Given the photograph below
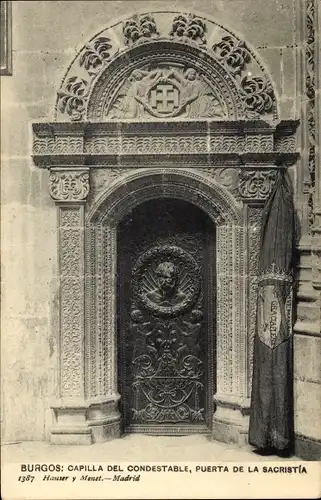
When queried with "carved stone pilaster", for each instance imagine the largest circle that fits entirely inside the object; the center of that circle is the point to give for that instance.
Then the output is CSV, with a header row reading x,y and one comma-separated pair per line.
x,y
69,189
229,422
254,214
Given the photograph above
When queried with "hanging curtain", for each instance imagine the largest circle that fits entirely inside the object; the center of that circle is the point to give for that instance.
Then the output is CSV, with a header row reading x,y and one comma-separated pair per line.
x,y
271,416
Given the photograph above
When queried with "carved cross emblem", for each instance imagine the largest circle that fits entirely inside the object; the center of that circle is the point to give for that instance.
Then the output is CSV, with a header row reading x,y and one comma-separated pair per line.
x,y
164,98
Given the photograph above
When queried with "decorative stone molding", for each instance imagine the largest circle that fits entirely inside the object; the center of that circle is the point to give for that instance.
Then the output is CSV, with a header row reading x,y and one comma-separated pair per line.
x,y
311,104
71,303
121,198
224,209
200,142
71,185
227,177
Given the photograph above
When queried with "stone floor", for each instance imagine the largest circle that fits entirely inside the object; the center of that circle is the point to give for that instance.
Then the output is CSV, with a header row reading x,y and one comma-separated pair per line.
x,y
135,447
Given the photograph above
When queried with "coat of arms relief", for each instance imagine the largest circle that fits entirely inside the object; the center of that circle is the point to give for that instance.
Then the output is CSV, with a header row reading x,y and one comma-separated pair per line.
x,y
166,92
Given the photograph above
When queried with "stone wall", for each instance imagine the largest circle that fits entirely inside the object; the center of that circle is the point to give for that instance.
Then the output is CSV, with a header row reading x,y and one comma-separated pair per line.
x,y
46,37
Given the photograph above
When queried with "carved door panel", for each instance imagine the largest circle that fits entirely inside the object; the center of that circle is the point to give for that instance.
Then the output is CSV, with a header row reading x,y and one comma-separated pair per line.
x,y
166,299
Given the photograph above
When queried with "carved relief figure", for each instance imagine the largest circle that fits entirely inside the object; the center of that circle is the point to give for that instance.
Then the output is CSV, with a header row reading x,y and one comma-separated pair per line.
x,y
130,102
165,93
190,330
142,331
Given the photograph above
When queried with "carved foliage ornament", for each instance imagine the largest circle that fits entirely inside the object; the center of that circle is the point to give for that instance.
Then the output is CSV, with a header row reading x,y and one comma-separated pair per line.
x,y
72,98
188,27
165,93
256,184
258,95
95,54
233,53
139,29
69,186
257,92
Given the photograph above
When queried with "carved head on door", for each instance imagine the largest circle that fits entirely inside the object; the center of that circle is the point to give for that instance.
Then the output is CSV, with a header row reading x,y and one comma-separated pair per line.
x,y
167,278
166,281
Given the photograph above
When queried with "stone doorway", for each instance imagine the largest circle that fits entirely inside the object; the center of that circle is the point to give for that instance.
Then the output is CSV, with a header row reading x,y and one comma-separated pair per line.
x,y
212,137
166,318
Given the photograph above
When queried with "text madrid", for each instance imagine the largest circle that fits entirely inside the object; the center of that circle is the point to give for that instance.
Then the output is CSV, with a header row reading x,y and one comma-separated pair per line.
x,y
301,469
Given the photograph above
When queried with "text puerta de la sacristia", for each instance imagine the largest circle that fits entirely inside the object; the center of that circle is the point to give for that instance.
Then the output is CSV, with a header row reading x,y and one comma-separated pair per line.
x,y
134,472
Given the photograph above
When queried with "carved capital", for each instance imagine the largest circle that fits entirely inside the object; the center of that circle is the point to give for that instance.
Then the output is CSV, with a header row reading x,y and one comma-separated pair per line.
x,y
69,185
256,184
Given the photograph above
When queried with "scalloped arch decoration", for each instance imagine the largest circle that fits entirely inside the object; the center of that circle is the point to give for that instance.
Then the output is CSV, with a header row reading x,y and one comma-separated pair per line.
x,y
166,65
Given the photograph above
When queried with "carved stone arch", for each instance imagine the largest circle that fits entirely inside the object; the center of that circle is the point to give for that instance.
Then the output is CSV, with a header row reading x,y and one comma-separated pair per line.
x,y
101,292
172,39
139,187
165,54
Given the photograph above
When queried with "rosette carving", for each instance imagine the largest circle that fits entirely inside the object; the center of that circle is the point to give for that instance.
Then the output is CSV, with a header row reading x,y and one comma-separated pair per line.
x,y
139,29
68,186
189,27
233,53
72,98
258,95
